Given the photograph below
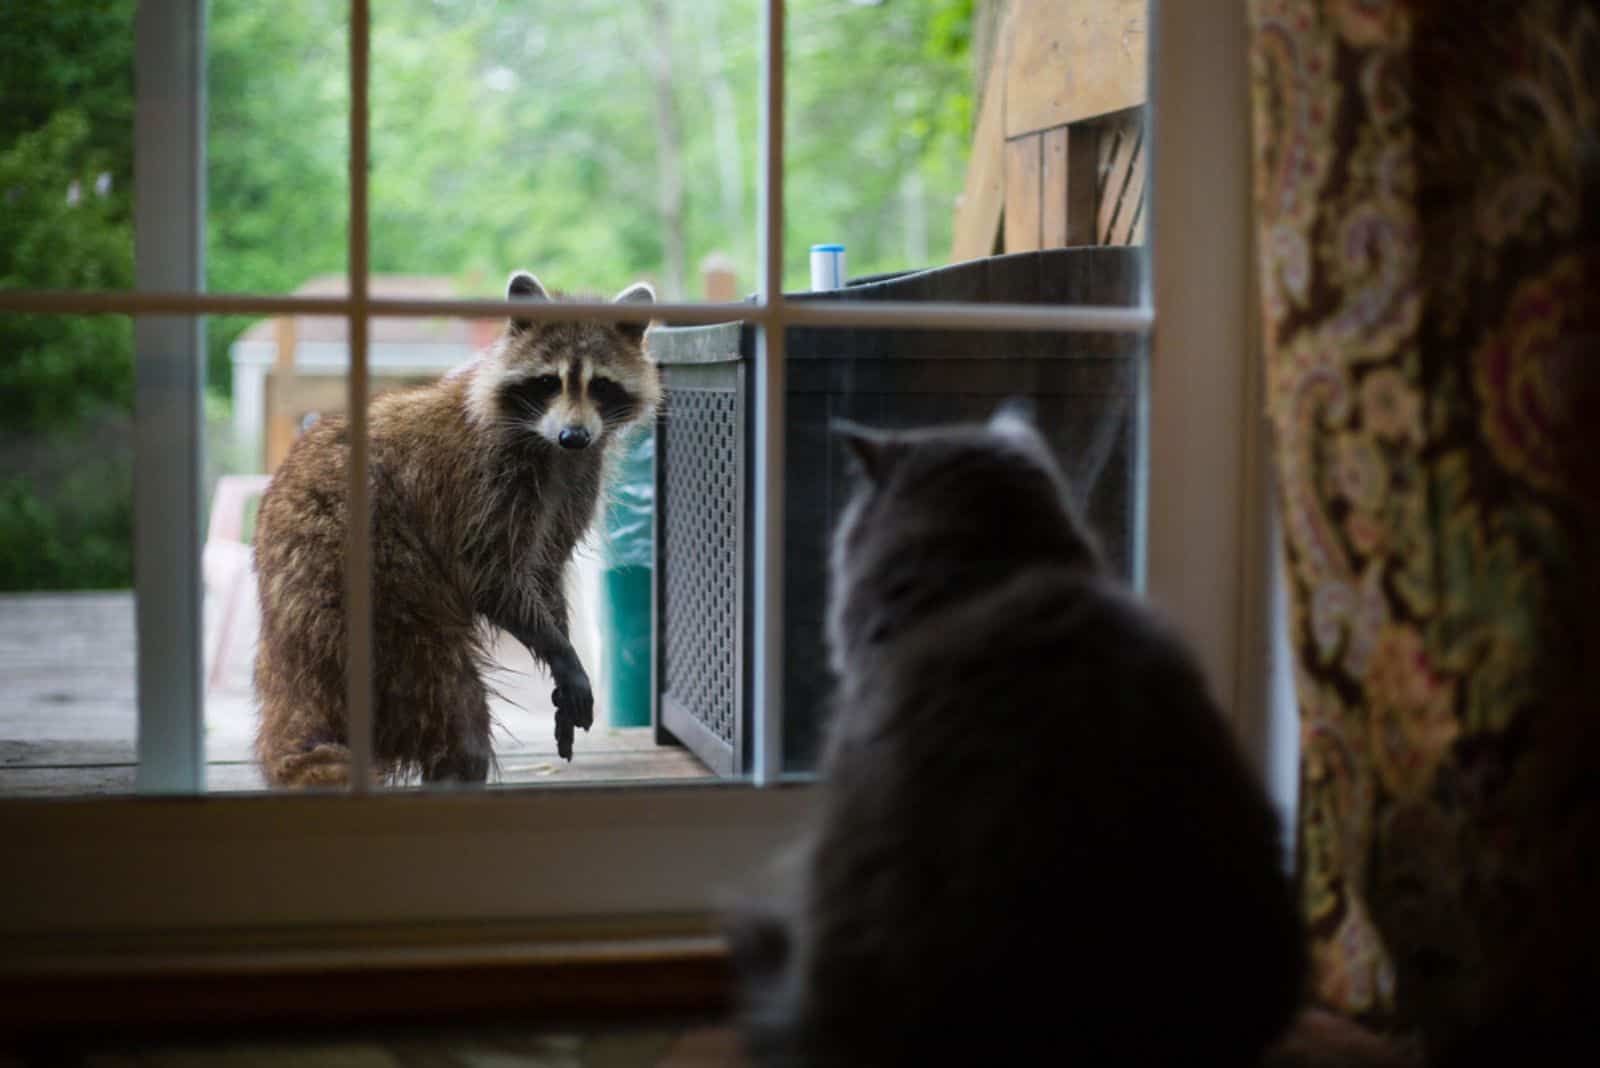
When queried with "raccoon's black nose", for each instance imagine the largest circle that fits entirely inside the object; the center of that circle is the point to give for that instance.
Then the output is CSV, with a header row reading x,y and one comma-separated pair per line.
x,y
573,437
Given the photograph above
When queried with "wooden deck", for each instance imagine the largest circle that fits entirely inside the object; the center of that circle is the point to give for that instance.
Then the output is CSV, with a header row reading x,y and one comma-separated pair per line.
x,y
69,719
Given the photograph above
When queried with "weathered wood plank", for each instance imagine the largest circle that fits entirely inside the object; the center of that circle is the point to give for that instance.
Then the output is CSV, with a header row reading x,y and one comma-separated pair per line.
x,y
1023,194
1055,188
1132,201
113,779
1072,61
68,715
630,766
657,764
1115,185
978,212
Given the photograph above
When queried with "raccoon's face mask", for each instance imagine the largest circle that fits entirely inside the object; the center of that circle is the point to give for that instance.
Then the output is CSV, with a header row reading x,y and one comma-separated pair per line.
x,y
574,382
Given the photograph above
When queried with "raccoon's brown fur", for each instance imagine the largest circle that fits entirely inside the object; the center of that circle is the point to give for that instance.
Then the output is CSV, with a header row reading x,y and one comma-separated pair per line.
x,y
481,486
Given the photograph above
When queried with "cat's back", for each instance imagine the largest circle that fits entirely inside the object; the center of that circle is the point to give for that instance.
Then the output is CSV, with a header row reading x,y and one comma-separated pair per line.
x,y
1037,778
1054,654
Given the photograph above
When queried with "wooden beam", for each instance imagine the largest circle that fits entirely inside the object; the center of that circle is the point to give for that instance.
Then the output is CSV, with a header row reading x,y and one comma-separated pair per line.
x,y
983,197
1055,188
1024,196
719,282
1072,61
280,417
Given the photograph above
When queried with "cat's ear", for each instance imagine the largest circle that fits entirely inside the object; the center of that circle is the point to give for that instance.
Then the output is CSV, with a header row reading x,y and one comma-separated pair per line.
x,y
1014,417
872,450
524,286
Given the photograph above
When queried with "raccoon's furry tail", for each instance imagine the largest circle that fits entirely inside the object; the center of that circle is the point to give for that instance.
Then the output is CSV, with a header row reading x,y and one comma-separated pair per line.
x,y
325,764
1322,1039
319,764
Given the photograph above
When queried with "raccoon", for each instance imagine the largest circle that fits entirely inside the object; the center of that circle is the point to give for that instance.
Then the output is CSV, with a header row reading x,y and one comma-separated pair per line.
x,y
1034,829
481,485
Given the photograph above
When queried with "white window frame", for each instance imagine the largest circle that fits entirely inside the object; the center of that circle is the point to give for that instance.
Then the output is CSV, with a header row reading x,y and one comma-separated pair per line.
x,y
91,881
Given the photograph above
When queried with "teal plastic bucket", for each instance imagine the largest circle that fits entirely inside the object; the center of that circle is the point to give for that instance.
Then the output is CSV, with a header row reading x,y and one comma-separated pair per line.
x,y
626,620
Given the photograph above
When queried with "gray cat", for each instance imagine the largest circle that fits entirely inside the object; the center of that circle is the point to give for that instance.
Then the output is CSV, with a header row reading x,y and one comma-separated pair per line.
x,y
1035,832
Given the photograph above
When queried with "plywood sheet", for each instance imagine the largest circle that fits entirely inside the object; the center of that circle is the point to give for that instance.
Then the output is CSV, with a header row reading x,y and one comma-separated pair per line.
x,y
1072,60
1055,187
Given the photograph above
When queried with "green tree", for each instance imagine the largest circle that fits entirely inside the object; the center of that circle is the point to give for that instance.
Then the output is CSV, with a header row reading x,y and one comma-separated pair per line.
x,y
66,383
277,185
593,141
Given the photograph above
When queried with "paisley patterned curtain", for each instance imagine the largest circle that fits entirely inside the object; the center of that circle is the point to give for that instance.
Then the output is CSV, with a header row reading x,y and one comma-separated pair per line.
x,y
1428,269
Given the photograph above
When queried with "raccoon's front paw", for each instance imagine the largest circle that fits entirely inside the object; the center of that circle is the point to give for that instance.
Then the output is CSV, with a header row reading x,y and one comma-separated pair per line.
x,y
574,699
574,702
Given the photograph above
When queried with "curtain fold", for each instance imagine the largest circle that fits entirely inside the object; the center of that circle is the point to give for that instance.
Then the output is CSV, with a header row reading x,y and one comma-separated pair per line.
x,y
1427,272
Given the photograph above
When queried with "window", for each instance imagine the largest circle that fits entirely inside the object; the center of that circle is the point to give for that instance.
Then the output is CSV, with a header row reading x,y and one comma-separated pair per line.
x,y
643,860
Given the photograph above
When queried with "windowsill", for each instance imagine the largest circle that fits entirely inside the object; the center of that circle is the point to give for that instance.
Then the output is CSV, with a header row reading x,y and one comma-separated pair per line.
x,y
474,980
154,890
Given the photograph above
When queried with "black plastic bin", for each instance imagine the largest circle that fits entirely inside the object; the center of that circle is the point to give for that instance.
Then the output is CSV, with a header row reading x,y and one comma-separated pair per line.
x,y
1084,388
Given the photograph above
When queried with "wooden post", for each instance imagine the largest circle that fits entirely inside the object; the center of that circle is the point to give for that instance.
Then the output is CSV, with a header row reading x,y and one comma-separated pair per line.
x,y
1055,188
281,427
718,279
978,211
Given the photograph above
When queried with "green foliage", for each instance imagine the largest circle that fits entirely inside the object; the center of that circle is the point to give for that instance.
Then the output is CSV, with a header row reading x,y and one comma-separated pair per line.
x,y
66,384
66,506
55,54
277,78
504,133
879,108
59,232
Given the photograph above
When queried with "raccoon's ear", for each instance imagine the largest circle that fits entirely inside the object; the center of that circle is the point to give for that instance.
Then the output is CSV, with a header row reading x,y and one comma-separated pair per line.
x,y
1014,417
873,451
524,286
638,293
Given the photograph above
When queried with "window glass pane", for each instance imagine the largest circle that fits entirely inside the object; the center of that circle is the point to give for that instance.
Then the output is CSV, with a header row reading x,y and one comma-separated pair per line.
x,y
485,525
277,167
966,155
878,115
515,483
66,146
277,142
285,373
924,134
594,142
1084,391
68,718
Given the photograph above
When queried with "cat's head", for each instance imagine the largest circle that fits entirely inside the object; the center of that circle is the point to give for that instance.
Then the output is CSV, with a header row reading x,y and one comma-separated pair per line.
x,y
942,513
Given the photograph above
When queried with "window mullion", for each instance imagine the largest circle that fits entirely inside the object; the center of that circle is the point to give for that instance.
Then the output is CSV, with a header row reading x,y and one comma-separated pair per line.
x,y
358,530
1205,560
169,380
767,641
